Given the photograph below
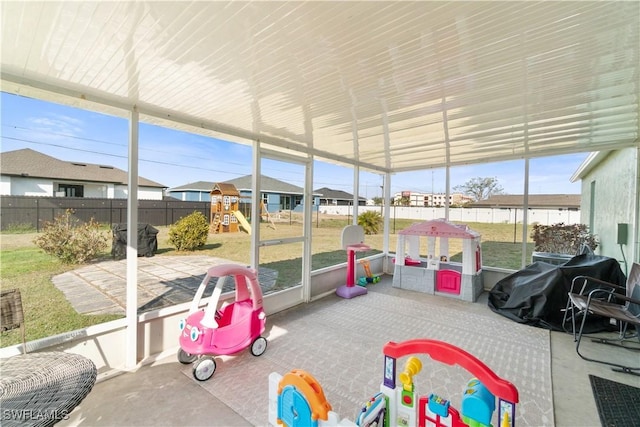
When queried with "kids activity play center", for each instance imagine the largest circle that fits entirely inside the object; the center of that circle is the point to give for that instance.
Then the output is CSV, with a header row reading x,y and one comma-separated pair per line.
x,y
297,398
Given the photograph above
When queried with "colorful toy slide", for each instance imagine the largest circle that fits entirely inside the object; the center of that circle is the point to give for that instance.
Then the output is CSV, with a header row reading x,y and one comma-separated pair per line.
x,y
243,221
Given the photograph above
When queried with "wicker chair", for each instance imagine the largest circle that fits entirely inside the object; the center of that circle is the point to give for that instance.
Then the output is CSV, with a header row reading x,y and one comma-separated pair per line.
x,y
40,389
11,314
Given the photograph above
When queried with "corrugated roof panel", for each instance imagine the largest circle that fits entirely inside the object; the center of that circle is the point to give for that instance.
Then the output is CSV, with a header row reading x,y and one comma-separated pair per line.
x,y
513,78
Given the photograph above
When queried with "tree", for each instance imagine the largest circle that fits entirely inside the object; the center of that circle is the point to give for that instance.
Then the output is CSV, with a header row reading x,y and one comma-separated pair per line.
x,y
378,201
403,201
480,188
370,221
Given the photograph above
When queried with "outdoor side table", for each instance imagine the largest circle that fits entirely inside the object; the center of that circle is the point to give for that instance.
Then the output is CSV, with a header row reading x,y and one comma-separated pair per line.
x,y
40,389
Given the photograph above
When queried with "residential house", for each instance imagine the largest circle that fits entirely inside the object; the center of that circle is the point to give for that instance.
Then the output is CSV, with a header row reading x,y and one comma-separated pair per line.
x,y
329,197
199,191
609,206
276,195
541,208
27,172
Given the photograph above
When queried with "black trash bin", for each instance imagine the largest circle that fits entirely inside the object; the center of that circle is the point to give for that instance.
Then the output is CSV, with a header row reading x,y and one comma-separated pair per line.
x,y
147,240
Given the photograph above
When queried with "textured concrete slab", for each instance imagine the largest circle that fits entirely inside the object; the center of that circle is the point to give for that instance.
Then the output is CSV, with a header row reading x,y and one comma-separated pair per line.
x,y
339,341
162,281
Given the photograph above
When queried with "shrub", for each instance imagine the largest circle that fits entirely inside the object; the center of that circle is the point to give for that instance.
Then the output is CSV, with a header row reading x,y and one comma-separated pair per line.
x,y
190,232
562,239
70,240
370,221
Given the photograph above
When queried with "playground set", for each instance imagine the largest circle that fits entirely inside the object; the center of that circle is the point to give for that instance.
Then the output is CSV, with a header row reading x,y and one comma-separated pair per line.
x,y
225,213
436,274
226,330
225,200
297,399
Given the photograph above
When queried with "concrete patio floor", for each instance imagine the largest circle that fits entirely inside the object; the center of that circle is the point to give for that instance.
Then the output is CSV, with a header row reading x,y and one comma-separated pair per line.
x,y
161,394
163,281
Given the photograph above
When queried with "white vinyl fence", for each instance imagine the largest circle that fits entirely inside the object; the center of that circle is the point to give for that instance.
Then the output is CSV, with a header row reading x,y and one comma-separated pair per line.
x,y
488,215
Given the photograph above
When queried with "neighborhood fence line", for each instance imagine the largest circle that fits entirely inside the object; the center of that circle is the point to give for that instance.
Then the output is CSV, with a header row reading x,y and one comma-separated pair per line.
x,y
35,211
485,215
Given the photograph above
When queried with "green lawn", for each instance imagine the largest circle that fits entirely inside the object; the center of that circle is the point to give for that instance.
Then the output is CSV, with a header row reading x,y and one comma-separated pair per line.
x,y
47,312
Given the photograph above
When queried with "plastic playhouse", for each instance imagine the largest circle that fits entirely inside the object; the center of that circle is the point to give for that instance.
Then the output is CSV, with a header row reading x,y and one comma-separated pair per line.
x,y
229,329
297,398
436,274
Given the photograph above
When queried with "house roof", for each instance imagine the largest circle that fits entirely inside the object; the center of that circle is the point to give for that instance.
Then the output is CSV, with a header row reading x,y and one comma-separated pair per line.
x,y
589,164
267,184
545,201
193,186
328,193
33,164
389,86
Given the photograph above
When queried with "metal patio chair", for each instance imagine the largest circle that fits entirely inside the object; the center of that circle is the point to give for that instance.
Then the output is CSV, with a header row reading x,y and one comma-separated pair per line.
x,y
607,301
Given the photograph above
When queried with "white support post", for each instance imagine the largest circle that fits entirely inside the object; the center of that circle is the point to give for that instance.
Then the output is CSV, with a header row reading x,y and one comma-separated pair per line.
x,y
525,211
308,219
131,358
256,198
356,193
386,191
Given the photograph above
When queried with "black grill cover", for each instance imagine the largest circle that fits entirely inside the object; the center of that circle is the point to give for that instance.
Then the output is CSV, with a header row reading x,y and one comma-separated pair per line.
x,y
537,295
147,240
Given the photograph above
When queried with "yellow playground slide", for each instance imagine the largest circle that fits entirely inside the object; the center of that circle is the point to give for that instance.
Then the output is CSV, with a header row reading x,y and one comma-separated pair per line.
x,y
243,221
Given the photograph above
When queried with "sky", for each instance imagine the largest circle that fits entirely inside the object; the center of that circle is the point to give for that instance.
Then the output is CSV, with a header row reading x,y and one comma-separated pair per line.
x,y
173,158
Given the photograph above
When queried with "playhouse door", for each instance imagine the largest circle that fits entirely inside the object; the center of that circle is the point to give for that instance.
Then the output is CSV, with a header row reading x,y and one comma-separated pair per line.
x,y
448,281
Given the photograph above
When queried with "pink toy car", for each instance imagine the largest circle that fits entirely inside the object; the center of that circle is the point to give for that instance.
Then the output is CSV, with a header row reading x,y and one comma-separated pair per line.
x,y
210,331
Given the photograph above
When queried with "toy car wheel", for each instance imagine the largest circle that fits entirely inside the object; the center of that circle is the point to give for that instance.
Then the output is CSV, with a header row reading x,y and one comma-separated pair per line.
x,y
258,346
204,368
186,358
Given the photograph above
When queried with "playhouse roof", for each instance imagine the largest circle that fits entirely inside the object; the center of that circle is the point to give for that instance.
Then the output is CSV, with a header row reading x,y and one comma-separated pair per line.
x,y
440,228
225,189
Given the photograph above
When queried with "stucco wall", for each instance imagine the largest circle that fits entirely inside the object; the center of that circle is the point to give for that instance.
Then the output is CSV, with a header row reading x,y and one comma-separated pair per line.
x,y
18,186
95,190
614,181
144,193
28,187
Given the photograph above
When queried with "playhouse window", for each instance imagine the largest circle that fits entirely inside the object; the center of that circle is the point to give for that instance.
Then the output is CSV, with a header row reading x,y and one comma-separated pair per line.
x,y
225,219
226,201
